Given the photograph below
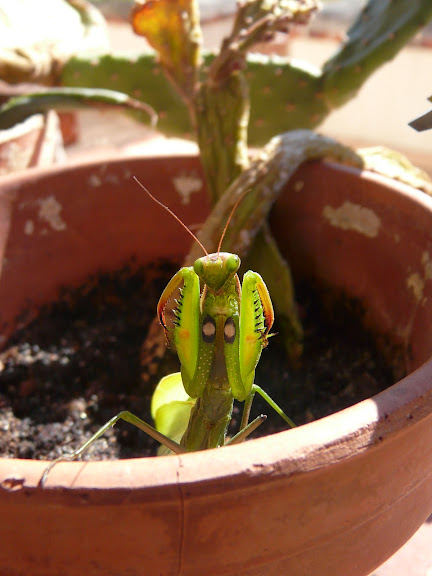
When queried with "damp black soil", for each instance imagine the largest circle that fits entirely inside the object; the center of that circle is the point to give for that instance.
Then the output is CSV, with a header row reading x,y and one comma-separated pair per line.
x,y
78,364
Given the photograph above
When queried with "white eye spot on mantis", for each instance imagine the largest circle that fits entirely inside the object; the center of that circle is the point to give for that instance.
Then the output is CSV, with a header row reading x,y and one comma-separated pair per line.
x,y
354,217
229,331
208,330
187,185
49,210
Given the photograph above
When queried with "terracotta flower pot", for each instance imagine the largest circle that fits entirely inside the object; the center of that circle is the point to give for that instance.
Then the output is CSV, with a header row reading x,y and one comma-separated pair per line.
x,y
335,497
35,142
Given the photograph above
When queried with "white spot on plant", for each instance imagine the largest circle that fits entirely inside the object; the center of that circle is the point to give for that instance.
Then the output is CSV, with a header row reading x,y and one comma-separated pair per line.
x,y
49,211
186,185
350,216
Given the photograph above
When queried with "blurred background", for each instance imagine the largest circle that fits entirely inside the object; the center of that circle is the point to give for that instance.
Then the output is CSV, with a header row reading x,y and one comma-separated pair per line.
x,y
379,114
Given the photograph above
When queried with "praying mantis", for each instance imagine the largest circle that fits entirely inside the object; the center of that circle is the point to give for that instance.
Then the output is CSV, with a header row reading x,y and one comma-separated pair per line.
x,y
219,330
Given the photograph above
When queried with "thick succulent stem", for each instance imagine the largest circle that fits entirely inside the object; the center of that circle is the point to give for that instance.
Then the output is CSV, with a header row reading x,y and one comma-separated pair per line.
x,y
248,234
261,184
266,257
222,113
141,77
222,102
377,35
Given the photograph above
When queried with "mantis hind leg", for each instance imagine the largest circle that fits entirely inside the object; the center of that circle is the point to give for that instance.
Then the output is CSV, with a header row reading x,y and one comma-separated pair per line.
x,y
127,417
245,428
271,403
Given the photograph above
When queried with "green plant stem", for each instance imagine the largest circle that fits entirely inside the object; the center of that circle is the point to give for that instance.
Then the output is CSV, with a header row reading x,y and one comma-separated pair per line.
x,y
222,113
18,108
261,184
266,257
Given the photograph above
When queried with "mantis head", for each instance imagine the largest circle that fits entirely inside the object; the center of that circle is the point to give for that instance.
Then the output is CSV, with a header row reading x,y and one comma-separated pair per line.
x,y
215,270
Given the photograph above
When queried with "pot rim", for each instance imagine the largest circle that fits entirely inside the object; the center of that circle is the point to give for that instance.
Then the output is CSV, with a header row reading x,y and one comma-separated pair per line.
x,y
301,450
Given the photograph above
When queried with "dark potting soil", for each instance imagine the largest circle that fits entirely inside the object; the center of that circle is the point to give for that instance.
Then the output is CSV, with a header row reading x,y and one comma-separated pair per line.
x,y
78,364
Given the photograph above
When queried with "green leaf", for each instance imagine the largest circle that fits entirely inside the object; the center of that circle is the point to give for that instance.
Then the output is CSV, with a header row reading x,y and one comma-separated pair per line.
x,y
171,407
169,389
172,419
19,108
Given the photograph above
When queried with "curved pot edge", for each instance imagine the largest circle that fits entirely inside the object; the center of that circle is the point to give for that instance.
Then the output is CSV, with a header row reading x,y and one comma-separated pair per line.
x,y
299,450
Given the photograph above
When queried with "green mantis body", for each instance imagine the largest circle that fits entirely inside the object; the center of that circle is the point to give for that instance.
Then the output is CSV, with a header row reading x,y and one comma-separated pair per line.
x,y
219,330
219,334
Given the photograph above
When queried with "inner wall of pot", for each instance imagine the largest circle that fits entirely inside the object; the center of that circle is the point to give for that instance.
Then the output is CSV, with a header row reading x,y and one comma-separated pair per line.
x,y
370,238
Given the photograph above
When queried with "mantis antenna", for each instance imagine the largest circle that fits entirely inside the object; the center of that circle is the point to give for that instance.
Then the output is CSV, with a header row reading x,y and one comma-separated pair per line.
x,y
172,214
234,208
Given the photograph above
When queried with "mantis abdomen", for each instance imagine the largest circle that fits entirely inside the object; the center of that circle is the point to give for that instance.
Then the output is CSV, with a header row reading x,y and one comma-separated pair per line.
x,y
209,420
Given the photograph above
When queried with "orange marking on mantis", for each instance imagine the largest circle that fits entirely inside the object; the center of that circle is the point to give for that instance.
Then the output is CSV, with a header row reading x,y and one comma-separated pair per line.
x,y
183,333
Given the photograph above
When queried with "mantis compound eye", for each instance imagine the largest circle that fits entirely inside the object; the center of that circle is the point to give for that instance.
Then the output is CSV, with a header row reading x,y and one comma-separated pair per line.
x,y
198,267
232,263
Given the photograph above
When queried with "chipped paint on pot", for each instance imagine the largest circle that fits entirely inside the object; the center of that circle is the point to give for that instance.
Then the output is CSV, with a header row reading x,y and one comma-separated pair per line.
x,y
186,185
351,216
